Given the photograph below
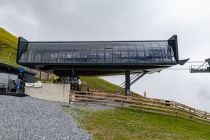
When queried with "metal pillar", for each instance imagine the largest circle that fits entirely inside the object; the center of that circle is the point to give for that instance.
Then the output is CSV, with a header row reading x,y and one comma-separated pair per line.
x,y
127,82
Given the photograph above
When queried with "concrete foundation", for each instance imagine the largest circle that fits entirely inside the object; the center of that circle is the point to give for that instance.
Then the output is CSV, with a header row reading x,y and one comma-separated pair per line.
x,y
50,92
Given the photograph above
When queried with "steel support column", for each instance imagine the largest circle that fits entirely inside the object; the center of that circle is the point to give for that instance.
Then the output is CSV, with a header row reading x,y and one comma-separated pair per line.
x,y
127,82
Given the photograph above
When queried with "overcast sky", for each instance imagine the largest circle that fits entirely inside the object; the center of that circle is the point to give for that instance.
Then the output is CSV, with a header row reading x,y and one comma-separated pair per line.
x,y
125,20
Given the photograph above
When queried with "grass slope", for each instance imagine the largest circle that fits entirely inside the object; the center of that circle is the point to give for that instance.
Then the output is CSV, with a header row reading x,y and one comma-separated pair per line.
x,y
99,84
132,124
8,47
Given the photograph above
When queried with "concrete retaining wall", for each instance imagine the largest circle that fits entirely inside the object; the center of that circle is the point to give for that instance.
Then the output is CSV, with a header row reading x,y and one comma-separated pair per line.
x,y
50,92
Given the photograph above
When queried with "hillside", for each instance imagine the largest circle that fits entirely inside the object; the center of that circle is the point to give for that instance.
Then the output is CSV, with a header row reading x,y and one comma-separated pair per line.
x,y
8,47
133,124
98,84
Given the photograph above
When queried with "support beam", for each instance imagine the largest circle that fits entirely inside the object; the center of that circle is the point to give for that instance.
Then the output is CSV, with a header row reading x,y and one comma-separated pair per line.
x,y
127,82
130,81
132,77
137,78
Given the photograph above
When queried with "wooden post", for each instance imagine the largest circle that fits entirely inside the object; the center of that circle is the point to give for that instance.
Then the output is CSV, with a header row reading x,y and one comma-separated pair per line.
x,y
145,94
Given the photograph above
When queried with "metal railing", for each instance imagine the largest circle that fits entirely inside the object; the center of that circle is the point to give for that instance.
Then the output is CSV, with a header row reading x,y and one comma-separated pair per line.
x,y
200,69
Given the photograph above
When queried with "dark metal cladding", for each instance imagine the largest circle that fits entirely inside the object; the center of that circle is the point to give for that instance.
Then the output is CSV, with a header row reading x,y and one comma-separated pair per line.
x,y
173,42
98,57
22,47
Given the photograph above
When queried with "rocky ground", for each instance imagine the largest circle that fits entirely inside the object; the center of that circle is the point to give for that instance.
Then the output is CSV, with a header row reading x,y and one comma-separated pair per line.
x,y
29,118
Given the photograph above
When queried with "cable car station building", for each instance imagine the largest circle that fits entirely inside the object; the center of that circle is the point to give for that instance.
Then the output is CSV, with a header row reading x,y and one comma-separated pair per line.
x,y
98,58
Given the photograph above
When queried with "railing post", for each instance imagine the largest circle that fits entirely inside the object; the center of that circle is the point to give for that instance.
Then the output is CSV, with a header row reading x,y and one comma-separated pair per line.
x,y
205,117
86,100
71,97
121,102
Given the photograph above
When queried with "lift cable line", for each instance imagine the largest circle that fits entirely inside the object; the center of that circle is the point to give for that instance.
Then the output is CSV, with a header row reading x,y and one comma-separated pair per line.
x,y
178,69
190,62
195,62
136,76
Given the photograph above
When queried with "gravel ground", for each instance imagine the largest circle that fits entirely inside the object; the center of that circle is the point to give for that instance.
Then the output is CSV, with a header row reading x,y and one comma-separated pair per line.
x,y
33,119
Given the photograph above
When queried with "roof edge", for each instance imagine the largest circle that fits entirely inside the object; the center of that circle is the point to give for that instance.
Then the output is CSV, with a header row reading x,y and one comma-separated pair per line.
x,y
173,41
22,45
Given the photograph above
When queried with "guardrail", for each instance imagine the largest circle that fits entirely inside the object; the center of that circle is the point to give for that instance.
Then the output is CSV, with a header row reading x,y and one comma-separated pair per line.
x,y
158,106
